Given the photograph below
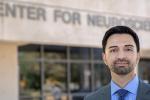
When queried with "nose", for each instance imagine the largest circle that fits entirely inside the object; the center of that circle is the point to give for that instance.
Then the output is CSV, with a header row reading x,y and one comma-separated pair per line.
x,y
121,54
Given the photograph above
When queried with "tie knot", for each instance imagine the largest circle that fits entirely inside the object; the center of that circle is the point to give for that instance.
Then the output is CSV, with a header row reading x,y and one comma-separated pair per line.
x,y
122,92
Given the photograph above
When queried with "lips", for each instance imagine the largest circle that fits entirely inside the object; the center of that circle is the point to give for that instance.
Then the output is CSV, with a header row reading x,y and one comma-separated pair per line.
x,y
121,63
125,63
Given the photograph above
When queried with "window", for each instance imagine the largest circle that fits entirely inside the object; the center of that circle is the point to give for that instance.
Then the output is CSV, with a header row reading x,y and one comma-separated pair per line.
x,y
80,77
46,71
30,75
101,75
80,53
55,79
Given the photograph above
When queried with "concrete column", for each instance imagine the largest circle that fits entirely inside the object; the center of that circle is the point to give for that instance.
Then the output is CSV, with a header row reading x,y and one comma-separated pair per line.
x,y
9,72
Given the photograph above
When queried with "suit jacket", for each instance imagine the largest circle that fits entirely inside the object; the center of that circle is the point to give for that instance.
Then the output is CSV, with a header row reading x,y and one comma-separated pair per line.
x,y
104,93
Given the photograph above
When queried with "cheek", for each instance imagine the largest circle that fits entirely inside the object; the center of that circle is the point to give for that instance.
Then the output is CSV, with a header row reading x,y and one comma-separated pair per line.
x,y
110,59
133,58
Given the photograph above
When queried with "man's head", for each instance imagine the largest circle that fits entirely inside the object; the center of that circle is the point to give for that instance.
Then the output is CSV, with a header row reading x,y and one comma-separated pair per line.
x,y
121,49
120,30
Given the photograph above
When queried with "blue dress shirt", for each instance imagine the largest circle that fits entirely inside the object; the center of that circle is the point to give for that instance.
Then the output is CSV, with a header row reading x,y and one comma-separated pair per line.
x,y
132,87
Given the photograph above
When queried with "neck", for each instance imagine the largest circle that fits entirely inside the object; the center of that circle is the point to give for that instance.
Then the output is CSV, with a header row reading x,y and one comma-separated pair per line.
x,y
122,80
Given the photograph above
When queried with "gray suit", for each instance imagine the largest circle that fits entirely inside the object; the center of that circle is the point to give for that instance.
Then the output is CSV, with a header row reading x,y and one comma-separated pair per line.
x,y
105,93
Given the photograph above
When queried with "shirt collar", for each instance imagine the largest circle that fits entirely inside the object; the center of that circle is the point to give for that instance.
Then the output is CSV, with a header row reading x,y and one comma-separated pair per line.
x,y
132,86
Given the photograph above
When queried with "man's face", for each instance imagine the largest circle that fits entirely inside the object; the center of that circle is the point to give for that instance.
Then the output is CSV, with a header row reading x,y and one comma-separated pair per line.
x,y
121,54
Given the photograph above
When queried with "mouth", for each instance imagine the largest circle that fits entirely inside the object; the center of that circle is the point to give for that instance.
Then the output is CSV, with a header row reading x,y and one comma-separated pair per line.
x,y
121,64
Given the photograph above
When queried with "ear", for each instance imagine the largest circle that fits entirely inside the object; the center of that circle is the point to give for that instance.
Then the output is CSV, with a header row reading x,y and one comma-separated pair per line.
x,y
104,58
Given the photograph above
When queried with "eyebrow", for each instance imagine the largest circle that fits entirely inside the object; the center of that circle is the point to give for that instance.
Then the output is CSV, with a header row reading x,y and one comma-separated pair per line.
x,y
129,45
112,47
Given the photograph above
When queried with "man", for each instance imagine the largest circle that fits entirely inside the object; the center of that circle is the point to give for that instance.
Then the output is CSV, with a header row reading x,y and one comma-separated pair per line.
x,y
121,53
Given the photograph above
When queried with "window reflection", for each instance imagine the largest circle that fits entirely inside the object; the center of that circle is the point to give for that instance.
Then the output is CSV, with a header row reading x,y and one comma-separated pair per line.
x,y
102,75
55,52
49,70
80,53
55,81
29,56
29,53
30,79
80,77
30,98
97,53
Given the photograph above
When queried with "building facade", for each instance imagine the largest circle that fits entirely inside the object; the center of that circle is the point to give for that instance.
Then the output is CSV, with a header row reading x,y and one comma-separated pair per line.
x,y
51,49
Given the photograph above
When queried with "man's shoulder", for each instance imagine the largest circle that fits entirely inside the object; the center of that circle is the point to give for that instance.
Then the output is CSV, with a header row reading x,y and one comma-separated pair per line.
x,y
96,95
144,85
144,91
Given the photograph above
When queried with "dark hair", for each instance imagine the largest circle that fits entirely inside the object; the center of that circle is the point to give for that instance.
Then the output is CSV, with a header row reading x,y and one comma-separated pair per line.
x,y
120,30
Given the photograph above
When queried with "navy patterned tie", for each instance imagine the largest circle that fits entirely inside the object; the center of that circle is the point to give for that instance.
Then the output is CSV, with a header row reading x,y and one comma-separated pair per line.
x,y
122,93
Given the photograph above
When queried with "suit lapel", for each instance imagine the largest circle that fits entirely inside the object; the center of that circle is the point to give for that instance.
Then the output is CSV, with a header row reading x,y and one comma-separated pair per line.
x,y
139,93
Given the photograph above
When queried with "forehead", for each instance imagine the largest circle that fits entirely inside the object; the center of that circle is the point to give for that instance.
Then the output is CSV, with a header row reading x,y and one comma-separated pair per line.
x,y
120,40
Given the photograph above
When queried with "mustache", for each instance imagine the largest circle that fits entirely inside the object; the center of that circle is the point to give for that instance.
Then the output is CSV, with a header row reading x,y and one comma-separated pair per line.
x,y
123,60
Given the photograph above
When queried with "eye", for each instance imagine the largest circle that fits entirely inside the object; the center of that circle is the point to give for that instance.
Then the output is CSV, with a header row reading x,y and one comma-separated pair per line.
x,y
113,50
129,49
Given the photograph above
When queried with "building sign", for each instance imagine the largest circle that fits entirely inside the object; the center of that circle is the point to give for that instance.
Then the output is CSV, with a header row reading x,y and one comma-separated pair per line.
x,y
95,19
100,20
21,11
56,24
